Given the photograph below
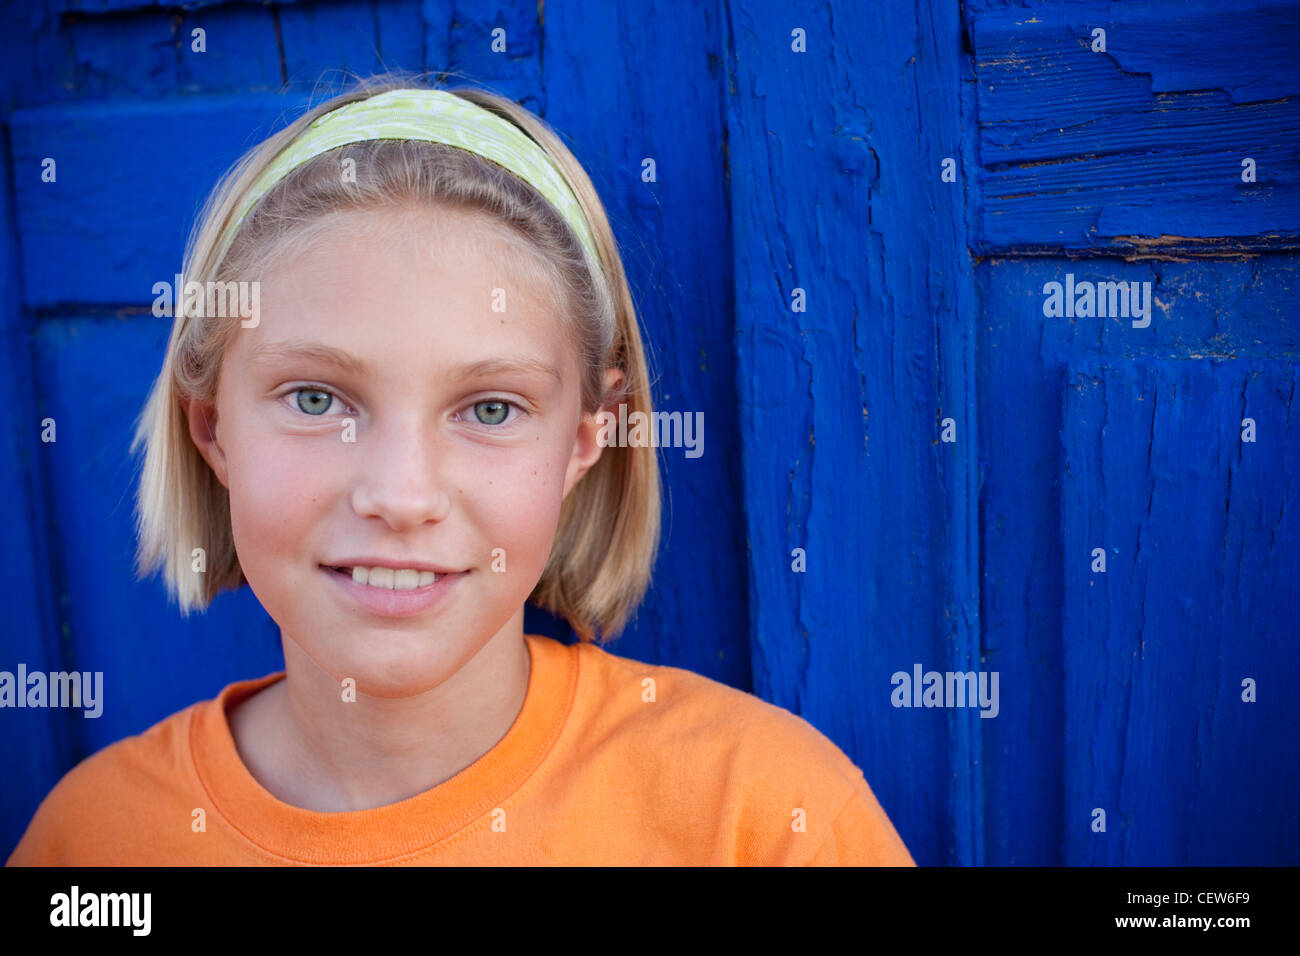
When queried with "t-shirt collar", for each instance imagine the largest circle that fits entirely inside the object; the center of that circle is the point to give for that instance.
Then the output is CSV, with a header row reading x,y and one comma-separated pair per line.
x,y
384,834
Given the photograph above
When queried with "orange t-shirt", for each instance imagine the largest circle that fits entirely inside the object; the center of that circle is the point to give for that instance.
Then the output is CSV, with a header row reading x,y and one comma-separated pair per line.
x,y
590,773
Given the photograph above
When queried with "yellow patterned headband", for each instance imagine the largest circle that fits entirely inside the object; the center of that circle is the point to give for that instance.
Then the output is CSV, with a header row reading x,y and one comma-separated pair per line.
x,y
433,116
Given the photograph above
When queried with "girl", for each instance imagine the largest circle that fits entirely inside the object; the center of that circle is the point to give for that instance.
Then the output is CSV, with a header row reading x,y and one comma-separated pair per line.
x,y
396,449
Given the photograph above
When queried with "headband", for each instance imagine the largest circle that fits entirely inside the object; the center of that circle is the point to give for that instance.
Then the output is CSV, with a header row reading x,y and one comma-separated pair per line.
x,y
433,116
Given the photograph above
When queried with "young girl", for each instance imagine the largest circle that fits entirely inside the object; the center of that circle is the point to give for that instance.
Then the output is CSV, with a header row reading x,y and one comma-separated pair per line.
x,y
396,447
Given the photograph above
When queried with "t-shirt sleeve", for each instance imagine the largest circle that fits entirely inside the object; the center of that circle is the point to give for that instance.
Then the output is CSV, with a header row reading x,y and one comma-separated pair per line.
x,y
862,835
91,810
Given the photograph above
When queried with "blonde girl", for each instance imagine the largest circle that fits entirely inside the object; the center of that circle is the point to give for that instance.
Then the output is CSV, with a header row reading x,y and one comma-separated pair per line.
x,y
396,450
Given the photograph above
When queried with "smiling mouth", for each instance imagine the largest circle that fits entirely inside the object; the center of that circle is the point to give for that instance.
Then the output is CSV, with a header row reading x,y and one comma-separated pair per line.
x,y
404,579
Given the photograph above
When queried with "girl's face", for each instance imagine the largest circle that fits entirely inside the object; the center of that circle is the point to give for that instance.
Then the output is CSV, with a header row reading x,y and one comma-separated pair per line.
x,y
383,413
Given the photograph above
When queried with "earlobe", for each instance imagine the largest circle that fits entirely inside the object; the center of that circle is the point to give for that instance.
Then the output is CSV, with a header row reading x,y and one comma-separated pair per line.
x,y
203,430
586,452
587,446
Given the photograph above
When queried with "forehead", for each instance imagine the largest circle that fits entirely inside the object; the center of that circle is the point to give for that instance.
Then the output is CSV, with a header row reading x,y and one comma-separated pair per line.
x,y
442,244
395,287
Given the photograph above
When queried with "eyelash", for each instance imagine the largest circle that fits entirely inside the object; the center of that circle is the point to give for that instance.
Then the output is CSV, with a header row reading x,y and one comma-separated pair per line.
x,y
482,401
497,400
311,388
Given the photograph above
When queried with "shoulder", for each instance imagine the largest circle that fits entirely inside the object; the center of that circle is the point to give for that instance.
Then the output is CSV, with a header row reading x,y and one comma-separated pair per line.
x,y
789,793
694,707
117,789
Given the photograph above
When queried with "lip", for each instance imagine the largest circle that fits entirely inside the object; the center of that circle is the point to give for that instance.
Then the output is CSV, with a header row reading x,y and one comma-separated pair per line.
x,y
397,565
393,603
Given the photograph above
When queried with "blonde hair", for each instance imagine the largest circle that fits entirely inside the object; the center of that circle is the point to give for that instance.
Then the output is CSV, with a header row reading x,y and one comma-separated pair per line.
x,y
604,549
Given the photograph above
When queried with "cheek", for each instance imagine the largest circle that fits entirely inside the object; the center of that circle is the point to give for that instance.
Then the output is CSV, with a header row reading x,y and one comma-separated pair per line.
x,y
275,490
517,499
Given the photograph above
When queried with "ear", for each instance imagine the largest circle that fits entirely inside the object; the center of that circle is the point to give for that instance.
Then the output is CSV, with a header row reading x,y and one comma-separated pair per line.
x,y
203,430
586,447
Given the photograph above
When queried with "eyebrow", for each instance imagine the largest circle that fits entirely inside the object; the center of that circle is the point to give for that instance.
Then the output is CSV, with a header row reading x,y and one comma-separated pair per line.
x,y
270,353
504,366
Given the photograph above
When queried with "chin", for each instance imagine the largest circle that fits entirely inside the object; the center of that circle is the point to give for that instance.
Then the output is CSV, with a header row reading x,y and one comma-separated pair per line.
x,y
398,686
390,664
399,679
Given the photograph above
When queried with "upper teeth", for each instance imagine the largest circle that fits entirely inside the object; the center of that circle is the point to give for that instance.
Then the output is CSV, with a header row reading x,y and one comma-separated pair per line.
x,y
403,579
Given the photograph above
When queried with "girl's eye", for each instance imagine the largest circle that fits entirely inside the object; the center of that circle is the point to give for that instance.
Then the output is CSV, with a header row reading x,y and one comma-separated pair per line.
x,y
317,401
314,401
491,412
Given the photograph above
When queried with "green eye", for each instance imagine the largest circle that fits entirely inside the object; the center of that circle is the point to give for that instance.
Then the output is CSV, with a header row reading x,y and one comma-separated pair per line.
x,y
491,413
317,403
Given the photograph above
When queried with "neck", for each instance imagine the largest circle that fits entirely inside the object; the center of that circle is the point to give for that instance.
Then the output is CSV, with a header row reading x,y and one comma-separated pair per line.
x,y
308,751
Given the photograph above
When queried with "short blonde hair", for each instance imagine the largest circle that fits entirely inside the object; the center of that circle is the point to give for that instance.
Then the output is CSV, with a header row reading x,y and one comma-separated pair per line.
x,y
604,549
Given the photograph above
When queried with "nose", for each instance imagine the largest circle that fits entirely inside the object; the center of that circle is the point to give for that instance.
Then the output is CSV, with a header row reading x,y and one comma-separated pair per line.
x,y
401,466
